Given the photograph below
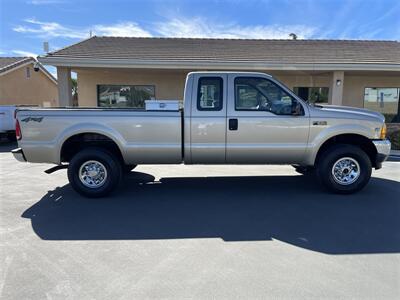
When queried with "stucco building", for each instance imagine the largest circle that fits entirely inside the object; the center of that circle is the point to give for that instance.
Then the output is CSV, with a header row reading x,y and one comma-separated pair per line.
x,y
116,71
20,84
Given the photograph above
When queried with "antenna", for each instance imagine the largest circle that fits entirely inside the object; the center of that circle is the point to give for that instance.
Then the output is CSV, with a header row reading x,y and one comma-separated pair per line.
x,y
90,33
46,47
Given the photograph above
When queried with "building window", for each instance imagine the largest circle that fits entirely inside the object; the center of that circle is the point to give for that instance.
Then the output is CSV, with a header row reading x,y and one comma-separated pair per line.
x,y
28,72
209,94
124,95
313,94
385,101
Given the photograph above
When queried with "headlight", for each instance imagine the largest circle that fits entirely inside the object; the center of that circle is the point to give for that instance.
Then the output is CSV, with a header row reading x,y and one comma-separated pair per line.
x,y
383,132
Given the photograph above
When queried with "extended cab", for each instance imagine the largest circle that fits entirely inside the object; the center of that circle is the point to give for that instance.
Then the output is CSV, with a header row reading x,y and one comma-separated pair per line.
x,y
228,118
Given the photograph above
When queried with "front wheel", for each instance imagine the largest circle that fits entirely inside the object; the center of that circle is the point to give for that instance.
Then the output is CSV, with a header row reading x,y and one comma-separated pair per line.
x,y
344,169
94,173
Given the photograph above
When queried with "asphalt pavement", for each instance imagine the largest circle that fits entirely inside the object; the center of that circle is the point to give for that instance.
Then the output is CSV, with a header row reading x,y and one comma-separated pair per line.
x,y
198,232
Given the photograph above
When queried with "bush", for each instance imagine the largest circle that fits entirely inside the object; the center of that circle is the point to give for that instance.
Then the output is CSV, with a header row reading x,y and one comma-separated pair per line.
x,y
394,135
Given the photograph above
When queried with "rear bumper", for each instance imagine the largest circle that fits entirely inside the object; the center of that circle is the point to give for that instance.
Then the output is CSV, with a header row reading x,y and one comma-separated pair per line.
x,y
382,150
19,154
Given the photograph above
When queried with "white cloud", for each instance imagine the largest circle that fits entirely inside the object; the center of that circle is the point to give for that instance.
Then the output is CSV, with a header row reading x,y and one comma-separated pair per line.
x,y
24,53
127,29
174,27
54,30
201,28
50,30
45,2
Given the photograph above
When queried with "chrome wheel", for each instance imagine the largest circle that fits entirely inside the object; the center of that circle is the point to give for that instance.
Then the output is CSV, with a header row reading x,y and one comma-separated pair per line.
x,y
346,170
93,174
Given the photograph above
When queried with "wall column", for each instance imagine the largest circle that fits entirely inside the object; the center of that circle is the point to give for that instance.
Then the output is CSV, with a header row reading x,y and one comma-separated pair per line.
x,y
337,88
64,86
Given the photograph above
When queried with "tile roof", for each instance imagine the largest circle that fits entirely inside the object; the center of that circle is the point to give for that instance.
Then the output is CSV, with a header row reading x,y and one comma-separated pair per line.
x,y
7,63
236,50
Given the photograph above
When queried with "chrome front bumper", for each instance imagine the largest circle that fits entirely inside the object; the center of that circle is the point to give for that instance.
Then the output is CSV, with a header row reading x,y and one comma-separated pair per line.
x,y
382,151
382,147
19,154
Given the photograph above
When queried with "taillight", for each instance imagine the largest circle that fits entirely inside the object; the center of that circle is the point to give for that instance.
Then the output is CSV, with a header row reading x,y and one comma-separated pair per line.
x,y
18,133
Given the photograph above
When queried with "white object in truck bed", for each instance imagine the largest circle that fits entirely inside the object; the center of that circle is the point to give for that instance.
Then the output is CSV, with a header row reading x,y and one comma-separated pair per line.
x,y
170,105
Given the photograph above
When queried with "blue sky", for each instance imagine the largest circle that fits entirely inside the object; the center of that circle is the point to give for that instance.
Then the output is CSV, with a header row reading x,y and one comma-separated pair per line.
x,y
25,24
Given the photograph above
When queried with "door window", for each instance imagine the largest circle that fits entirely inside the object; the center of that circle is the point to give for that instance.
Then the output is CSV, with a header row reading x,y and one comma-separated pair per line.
x,y
260,94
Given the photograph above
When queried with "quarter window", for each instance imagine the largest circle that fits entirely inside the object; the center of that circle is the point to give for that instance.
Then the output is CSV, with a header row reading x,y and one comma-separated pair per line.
x,y
124,95
259,94
209,94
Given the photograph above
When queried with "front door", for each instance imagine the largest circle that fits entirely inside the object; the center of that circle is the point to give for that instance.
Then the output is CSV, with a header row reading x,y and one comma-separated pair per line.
x,y
265,123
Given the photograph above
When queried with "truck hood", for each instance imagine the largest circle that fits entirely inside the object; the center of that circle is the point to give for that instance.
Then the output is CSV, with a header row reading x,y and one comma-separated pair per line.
x,y
351,111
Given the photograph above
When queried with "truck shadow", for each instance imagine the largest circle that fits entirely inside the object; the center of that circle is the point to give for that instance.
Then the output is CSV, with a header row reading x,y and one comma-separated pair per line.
x,y
291,209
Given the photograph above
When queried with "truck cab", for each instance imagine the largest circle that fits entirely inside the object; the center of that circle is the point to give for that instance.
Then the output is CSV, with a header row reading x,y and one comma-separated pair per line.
x,y
243,118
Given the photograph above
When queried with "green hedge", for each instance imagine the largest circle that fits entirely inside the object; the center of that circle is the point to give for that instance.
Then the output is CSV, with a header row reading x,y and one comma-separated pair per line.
x,y
394,135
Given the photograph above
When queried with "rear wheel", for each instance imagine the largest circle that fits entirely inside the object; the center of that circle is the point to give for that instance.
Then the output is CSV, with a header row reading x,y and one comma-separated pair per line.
x,y
94,172
344,169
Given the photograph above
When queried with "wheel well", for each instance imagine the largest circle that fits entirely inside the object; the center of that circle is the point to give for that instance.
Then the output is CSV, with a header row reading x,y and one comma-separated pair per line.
x,y
78,142
350,139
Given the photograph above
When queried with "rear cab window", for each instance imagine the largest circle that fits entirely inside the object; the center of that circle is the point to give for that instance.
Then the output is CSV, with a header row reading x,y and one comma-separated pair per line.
x,y
210,94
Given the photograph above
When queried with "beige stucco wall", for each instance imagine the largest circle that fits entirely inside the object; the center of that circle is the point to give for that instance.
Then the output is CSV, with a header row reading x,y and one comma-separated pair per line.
x,y
38,89
353,93
169,84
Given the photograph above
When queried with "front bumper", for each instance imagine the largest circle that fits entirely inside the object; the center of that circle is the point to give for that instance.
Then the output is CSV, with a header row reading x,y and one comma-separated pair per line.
x,y
19,154
382,151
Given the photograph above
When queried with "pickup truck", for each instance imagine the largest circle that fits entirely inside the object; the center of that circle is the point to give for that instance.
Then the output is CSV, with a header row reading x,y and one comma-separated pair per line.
x,y
7,121
227,118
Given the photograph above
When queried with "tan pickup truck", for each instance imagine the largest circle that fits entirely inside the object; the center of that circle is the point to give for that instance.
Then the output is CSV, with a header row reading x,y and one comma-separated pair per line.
x,y
228,118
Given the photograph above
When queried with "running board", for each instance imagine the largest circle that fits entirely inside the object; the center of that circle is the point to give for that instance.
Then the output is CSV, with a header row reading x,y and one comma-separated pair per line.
x,y
56,168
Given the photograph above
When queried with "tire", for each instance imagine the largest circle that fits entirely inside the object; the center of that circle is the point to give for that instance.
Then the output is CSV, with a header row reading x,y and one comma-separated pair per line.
x,y
128,168
105,168
344,169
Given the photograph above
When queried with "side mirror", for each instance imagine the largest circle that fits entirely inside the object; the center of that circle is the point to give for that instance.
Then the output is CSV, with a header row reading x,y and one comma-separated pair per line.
x,y
297,109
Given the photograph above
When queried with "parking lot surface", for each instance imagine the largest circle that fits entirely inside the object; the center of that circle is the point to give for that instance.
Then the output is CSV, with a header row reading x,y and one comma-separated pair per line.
x,y
199,232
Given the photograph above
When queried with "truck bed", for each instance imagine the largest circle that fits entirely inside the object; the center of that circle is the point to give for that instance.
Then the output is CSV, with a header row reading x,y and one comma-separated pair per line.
x,y
142,136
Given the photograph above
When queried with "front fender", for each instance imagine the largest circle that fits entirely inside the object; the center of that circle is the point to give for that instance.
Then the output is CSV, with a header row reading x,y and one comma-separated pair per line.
x,y
327,133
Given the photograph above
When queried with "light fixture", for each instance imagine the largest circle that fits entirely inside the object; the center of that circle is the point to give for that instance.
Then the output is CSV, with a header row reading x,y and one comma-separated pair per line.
x,y
338,82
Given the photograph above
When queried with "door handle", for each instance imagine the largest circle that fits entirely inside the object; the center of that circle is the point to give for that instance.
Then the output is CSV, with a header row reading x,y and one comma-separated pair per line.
x,y
233,124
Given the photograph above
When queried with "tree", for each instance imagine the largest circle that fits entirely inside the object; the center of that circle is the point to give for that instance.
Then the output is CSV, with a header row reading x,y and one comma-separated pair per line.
x,y
74,91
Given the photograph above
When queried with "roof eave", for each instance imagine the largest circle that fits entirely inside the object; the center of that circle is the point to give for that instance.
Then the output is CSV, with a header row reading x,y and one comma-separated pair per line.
x,y
215,65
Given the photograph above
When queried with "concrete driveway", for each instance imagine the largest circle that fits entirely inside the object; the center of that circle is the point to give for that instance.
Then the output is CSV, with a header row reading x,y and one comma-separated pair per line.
x,y
198,232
